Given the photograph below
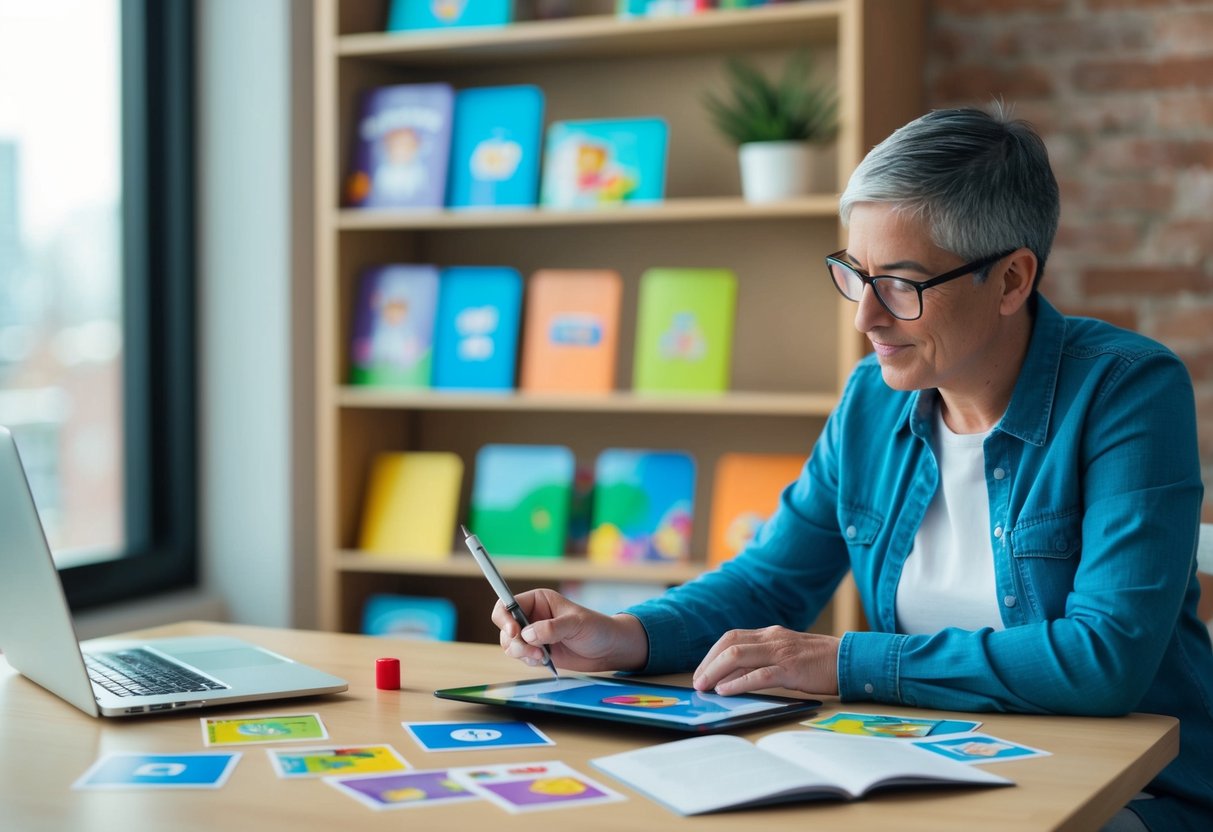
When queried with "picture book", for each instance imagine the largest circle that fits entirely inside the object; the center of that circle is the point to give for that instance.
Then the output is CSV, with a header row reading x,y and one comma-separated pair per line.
x,y
604,162
684,330
745,494
409,616
569,341
495,147
643,504
411,15
411,505
723,771
610,597
476,333
402,147
393,335
520,499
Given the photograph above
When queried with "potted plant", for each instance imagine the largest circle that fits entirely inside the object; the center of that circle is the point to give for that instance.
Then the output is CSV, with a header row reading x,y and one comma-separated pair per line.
x,y
778,126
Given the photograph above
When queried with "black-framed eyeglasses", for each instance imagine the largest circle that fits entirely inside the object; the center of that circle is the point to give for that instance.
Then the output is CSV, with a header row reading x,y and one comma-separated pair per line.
x,y
900,296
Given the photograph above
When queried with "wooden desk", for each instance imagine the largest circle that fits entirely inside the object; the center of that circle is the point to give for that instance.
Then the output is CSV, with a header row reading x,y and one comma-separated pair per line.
x,y
45,744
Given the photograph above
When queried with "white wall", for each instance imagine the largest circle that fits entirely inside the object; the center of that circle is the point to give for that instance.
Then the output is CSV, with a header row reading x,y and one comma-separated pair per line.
x,y
246,211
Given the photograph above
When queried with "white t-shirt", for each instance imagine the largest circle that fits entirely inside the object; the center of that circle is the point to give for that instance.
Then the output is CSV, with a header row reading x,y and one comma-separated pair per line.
x,y
948,578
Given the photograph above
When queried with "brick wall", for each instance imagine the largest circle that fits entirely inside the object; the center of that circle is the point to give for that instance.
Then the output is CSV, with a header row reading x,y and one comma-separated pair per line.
x,y
1122,92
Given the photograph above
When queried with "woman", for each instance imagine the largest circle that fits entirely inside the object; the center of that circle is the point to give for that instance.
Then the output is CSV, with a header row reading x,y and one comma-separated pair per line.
x,y
1017,493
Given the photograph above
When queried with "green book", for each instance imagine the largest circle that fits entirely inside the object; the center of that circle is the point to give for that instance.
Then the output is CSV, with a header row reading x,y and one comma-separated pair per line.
x,y
520,499
684,330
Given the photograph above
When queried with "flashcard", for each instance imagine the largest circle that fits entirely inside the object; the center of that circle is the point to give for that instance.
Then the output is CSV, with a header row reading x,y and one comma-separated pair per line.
x,y
470,736
247,730
407,790
530,787
335,760
980,748
954,726
874,725
193,770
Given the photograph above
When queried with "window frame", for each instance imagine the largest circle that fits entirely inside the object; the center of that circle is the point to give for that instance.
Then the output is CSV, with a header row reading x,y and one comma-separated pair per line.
x,y
159,372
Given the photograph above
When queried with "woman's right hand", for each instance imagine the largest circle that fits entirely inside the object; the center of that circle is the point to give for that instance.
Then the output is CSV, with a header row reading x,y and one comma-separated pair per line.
x,y
578,638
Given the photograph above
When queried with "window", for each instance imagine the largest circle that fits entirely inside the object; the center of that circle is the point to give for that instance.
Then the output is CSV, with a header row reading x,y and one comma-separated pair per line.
x,y
96,329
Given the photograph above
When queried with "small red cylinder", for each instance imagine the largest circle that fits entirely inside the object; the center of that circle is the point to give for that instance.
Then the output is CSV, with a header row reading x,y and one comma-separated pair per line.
x,y
387,674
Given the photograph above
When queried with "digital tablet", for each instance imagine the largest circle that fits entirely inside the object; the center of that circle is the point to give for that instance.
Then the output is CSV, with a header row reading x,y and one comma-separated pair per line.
x,y
639,702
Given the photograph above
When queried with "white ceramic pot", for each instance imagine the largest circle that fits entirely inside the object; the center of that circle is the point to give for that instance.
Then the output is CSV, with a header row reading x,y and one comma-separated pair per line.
x,y
771,171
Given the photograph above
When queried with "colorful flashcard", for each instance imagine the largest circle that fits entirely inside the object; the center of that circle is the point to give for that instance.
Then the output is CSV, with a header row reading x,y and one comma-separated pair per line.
x,y
402,147
495,147
604,162
684,330
248,730
980,748
745,493
528,787
407,790
393,339
328,761
874,725
954,726
643,503
194,770
520,499
473,736
477,327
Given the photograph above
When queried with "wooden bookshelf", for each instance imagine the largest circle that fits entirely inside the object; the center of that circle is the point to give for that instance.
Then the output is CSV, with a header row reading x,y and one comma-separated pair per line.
x,y
794,339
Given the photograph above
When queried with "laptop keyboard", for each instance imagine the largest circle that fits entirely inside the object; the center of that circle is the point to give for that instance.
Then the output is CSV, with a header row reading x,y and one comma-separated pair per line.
x,y
143,673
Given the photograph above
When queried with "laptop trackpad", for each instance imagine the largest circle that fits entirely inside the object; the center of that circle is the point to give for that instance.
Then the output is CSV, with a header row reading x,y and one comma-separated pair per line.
x,y
236,657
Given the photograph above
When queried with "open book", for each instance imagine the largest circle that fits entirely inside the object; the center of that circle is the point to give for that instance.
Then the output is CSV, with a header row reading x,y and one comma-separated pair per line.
x,y
711,773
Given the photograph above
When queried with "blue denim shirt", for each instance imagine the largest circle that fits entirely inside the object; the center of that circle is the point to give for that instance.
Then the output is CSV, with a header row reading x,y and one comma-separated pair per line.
x,y
1095,492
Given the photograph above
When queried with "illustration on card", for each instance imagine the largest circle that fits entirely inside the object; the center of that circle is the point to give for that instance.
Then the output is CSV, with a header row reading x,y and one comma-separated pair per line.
x,y
402,147
604,162
642,506
495,147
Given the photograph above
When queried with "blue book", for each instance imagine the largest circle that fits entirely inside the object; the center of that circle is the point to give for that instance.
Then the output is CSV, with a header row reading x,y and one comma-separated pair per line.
x,y
402,147
495,147
476,333
393,334
407,15
604,162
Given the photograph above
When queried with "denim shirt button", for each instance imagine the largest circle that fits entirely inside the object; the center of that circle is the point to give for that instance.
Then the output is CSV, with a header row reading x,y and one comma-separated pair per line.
x,y
868,688
998,531
1059,544
851,532
1010,600
999,473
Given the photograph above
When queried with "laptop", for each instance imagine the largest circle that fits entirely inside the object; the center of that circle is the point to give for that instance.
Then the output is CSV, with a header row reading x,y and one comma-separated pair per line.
x,y
108,677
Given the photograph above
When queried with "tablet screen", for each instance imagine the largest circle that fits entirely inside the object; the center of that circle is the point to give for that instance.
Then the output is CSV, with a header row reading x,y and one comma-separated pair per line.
x,y
627,700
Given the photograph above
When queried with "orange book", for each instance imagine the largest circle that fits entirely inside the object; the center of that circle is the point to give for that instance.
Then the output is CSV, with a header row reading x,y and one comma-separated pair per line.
x,y
571,331
744,496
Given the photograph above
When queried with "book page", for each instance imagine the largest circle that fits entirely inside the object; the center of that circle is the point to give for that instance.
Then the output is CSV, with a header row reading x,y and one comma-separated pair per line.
x,y
860,764
705,774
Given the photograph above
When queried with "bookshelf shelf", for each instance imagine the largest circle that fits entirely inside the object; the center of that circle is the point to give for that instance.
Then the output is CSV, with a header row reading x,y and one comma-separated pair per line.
x,y
794,342
518,568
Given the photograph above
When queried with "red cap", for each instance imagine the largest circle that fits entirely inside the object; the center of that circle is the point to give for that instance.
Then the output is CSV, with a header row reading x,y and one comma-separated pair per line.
x,y
387,674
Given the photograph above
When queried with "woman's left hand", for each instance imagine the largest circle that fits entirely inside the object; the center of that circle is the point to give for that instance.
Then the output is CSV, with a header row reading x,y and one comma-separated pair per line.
x,y
774,657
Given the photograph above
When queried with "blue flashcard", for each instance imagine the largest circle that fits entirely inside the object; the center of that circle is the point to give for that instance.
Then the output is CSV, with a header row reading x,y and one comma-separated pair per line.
x,y
471,736
197,770
979,748
410,15
495,147
954,726
477,328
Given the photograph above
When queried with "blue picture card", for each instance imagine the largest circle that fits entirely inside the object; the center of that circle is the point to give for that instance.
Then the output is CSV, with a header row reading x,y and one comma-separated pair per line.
x,y
495,147
474,736
602,162
411,15
196,770
476,334
409,616
392,342
979,749
402,147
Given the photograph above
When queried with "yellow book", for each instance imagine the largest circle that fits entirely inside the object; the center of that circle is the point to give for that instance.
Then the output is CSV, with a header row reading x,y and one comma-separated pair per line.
x,y
411,505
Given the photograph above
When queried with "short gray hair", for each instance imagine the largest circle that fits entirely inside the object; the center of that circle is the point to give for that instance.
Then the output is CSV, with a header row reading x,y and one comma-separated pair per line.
x,y
981,182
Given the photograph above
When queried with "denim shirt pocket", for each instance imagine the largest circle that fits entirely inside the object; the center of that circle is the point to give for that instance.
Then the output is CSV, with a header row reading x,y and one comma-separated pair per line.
x,y
1045,549
859,525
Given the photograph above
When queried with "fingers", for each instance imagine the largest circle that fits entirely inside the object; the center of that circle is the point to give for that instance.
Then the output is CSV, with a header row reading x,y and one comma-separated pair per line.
x,y
736,663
